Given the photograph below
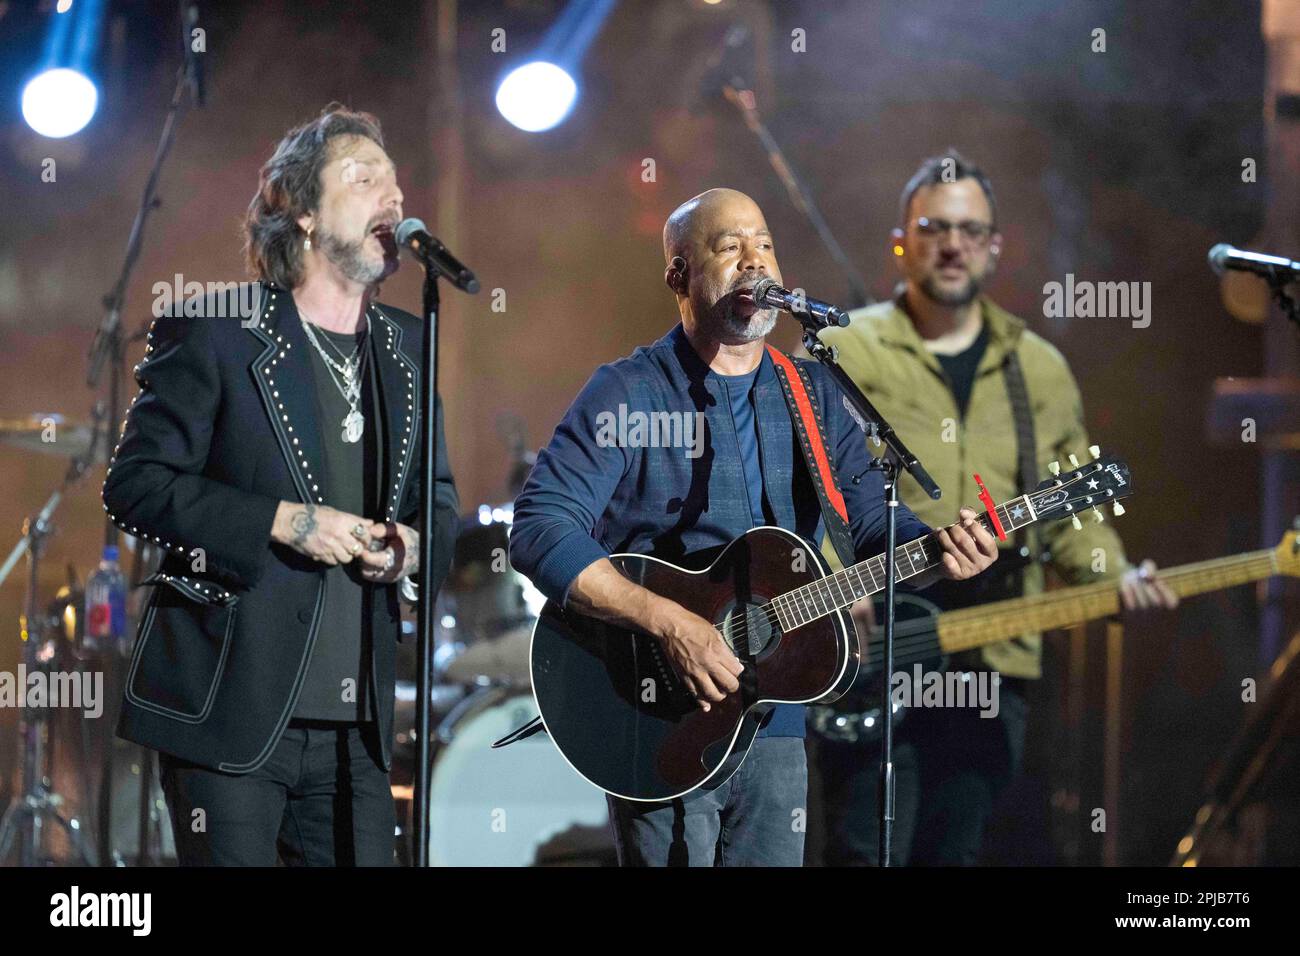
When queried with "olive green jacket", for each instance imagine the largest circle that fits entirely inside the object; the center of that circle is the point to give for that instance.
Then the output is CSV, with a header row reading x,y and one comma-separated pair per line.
x,y
883,353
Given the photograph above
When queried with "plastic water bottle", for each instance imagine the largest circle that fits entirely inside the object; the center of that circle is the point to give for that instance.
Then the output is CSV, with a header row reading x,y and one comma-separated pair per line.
x,y
106,604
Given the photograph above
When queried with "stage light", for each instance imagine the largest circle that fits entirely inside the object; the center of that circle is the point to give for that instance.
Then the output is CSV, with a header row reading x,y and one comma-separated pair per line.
x,y
540,94
61,98
536,96
59,102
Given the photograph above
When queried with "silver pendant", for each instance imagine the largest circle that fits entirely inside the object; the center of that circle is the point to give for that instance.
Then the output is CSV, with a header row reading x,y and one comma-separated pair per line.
x,y
353,426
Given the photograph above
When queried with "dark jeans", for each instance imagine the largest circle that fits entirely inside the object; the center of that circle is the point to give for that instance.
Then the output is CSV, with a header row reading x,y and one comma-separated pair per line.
x,y
757,818
950,764
320,799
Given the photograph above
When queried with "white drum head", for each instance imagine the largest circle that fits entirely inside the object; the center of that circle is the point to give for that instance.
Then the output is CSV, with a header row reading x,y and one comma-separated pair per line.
x,y
521,805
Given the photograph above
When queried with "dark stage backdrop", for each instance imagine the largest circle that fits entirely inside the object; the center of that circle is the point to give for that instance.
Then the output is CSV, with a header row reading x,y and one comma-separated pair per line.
x,y
1115,166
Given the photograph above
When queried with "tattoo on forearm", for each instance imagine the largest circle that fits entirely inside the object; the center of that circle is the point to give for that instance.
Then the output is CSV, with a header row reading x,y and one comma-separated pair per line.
x,y
412,562
303,524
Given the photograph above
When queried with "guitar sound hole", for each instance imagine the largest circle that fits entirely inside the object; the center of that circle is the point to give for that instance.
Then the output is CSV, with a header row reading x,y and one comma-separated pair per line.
x,y
750,630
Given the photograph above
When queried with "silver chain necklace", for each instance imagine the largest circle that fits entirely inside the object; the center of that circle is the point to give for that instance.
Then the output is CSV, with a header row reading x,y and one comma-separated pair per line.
x,y
352,372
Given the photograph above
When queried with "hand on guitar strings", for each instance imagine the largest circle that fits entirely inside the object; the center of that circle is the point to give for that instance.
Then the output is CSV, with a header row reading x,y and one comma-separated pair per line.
x,y
968,547
1141,591
706,664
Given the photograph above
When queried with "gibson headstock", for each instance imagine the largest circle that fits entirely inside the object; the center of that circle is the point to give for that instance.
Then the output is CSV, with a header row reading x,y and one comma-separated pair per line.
x,y
1068,494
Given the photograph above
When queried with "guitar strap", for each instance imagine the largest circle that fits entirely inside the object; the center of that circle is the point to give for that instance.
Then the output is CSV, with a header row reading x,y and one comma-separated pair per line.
x,y
1026,444
806,418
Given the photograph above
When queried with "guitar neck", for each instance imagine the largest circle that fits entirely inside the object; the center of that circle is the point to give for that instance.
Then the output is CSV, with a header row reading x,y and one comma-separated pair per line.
x,y
989,623
839,590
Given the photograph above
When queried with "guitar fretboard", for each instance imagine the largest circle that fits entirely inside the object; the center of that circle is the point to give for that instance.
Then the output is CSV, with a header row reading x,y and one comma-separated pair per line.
x,y
988,623
839,590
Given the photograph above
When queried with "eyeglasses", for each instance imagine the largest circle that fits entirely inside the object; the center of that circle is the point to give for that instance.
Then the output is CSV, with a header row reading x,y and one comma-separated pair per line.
x,y
972,232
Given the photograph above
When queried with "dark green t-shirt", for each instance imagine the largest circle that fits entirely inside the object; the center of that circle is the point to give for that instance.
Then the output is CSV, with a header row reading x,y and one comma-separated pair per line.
x,y
337,686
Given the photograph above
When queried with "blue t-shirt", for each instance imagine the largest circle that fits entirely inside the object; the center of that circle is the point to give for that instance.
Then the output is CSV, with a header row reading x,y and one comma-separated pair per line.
x,y
786,720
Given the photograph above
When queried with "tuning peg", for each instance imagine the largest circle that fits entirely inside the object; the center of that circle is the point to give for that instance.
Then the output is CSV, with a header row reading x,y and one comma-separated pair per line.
x,y
1094,451
1074,462
1097,516
1054,467
1074,520
1116,509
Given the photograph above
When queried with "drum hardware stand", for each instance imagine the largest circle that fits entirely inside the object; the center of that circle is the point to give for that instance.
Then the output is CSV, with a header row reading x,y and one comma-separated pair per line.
x,y
25,817
885,464
142,556
110,347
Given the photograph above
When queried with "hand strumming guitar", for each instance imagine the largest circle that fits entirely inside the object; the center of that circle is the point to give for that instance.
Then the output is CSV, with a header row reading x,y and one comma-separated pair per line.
x,y
707,666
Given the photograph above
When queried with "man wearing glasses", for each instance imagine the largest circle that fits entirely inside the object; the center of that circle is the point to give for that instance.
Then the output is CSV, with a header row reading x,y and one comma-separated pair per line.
x,y
971,391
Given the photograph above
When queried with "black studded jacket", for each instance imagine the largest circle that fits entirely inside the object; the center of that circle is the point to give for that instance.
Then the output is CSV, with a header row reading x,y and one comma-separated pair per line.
x,y
224,428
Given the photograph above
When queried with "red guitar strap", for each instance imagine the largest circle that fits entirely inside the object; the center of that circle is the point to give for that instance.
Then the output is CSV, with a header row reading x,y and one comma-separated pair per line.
x,y
806,418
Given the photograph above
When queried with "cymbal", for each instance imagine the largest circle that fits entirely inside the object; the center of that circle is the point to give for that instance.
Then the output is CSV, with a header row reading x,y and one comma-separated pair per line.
x,y
48,433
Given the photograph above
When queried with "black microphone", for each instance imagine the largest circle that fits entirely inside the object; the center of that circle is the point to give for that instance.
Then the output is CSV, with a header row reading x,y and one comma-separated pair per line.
x,y
1224,256
821,315
413,234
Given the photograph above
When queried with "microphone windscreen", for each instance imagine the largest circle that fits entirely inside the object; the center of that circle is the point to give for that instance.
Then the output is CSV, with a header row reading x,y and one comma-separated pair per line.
x,y
407,228
1218,257
761,288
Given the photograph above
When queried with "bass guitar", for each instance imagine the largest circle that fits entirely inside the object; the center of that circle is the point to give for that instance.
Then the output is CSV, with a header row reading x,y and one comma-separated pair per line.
x,y
925,635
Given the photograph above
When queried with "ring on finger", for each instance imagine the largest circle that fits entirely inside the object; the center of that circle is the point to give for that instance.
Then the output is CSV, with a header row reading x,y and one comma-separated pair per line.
x,y
359,531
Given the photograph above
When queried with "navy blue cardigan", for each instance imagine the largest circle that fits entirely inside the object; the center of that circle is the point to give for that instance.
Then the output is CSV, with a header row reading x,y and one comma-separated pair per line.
x,y
589,496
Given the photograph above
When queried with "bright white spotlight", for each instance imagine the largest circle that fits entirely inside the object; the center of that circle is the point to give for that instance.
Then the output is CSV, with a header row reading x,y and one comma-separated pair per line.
x,y
59,102
536,96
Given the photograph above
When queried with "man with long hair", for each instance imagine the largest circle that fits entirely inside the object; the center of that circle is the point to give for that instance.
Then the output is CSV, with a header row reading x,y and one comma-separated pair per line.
x,y
275,461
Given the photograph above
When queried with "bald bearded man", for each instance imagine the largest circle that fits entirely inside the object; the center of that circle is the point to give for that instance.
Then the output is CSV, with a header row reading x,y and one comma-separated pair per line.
x,y
590,496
